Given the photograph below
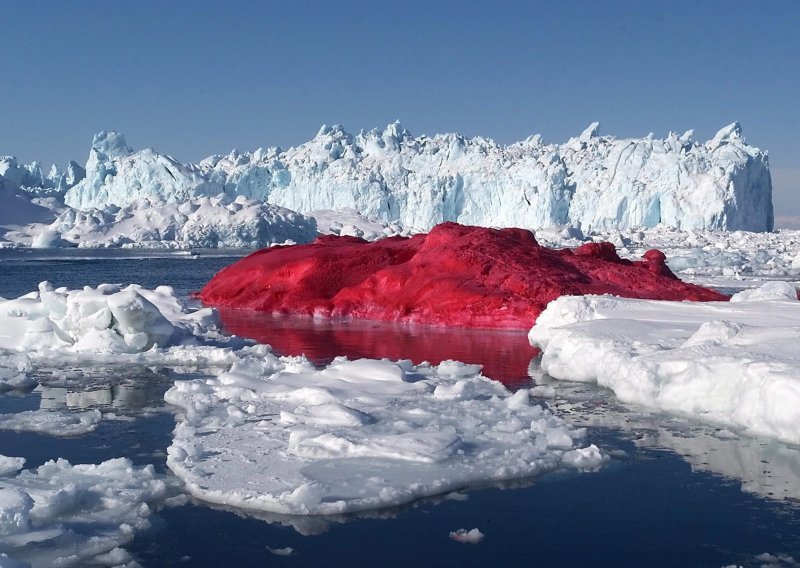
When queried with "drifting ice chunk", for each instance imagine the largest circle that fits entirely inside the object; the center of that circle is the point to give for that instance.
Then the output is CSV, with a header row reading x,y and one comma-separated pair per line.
x,y
453,276
65,515
106,319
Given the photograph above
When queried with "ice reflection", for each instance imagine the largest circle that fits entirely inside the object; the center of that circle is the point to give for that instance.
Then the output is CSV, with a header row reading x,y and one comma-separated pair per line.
x,y
108,389
504,354
765,468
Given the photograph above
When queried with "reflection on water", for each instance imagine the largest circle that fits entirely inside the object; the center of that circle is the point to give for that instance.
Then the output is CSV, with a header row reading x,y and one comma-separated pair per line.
x,y
505,355
762,467
131,390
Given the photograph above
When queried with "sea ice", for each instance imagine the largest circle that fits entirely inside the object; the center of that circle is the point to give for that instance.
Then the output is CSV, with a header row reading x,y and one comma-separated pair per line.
x,y
64,515
277,435
106,319
733,364
52,422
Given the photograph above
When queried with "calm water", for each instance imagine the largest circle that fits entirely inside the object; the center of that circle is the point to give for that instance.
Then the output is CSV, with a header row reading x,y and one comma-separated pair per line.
x,y
674,494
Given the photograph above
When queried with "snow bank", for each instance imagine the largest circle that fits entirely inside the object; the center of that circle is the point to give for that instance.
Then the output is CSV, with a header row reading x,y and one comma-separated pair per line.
x,y
278,435
201,222
593,182
65,515
453,276
733,364
106,319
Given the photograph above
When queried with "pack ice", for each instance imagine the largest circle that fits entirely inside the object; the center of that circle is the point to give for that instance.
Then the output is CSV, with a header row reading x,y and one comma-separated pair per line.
x,y
279,436
592,182
61,514
734,364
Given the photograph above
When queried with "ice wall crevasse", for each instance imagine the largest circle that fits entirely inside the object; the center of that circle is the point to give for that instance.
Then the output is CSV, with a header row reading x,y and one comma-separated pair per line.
x,y
593,181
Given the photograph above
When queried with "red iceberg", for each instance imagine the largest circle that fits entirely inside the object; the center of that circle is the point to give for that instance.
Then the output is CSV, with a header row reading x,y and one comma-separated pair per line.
x,y
453,276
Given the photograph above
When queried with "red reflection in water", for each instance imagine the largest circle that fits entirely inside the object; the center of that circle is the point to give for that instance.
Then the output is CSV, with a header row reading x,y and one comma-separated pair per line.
x,y
505,355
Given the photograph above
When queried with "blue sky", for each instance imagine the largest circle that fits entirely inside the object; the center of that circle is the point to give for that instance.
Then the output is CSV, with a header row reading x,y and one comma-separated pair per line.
x,y
192,78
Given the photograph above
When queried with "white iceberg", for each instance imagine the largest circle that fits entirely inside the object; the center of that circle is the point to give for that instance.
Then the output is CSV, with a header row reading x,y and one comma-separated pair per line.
x,y
279,436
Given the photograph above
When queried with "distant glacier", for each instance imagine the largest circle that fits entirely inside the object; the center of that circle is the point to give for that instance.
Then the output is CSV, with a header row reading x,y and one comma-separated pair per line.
x,y
592,182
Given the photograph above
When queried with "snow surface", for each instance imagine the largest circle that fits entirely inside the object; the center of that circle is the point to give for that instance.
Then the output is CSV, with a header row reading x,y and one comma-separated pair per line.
x,y
734,364
593,182
64,515
279,436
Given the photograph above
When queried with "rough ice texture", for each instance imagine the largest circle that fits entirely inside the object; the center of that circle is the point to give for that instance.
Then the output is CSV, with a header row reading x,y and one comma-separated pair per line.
x,y
106,319
453,276
31,179
280,436
207,222
65,515
592,182
734,364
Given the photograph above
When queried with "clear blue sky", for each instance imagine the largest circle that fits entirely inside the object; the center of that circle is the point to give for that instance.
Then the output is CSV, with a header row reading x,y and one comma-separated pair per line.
x,y
192,78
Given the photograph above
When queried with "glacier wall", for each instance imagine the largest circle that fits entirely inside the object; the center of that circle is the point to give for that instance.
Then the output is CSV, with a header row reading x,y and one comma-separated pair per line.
x,y
593,182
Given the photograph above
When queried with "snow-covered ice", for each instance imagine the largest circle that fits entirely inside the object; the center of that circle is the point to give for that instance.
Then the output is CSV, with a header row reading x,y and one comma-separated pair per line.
x,y
203,222
734,364
75,515
591,181
106,319
279,436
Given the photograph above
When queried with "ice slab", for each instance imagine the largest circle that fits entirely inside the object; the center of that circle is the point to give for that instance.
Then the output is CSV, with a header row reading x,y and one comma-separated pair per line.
x,y
279,436
732,364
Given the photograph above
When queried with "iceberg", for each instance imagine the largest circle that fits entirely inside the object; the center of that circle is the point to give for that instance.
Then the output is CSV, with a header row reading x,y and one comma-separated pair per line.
x,y
591,182
453,276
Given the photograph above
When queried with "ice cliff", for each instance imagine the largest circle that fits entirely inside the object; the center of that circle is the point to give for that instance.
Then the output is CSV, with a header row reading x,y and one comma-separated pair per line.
x,y
592,182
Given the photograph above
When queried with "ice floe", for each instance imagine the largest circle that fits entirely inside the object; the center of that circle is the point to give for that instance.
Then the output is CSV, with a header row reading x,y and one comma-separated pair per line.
x,y
734,364
106,319
75,515
51,422
279,436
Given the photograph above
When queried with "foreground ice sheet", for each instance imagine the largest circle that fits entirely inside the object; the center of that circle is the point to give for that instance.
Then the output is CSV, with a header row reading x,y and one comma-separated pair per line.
x,y
277,435
65,515
735,364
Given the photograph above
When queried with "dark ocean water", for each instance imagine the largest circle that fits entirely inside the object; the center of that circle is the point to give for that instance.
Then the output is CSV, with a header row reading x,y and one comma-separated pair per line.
x,y
673,495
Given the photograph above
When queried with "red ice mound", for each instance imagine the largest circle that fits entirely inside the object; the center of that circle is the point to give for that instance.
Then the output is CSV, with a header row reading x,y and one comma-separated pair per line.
x,y
453,276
